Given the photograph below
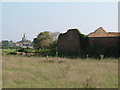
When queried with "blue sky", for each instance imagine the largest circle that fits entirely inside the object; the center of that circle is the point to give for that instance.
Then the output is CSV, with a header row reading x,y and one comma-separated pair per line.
x,y
32,18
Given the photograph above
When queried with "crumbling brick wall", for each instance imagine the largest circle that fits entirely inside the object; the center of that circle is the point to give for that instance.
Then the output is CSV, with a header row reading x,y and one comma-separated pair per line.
x,y
102,42
108,46
69,42
96,43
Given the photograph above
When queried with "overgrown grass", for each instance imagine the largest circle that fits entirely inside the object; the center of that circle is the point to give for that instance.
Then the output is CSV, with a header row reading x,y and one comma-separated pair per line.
x,y
49,72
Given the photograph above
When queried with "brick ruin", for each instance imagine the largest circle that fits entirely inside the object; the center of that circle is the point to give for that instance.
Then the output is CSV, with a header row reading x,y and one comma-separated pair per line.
x,y
69,42
99,42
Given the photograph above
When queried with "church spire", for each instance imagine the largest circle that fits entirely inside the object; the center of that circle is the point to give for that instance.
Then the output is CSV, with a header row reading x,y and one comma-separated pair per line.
x,y
24,35
24,38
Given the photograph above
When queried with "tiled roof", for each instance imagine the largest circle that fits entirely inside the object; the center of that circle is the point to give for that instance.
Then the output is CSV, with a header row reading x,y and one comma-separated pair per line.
x,y
100,32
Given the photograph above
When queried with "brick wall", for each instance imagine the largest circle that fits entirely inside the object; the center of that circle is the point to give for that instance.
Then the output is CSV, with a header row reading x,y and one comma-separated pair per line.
x,y
95,44
69,42
105,45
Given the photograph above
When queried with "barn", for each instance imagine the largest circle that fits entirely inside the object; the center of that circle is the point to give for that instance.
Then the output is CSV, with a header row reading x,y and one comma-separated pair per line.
x,y
94,44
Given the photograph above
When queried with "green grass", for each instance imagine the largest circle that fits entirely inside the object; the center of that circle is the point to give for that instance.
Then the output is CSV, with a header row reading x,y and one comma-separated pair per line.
x,y
7,51
49,72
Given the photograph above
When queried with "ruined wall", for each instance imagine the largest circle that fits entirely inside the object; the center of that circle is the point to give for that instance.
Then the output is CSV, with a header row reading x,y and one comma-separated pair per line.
x,y
104,41
93,45
108,46
69,42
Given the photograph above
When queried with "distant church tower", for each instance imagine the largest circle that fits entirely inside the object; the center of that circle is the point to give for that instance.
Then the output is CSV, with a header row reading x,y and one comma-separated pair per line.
x,y
24,38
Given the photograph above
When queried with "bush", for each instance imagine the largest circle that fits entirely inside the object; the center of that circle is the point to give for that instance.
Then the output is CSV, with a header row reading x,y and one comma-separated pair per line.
x,y
26,50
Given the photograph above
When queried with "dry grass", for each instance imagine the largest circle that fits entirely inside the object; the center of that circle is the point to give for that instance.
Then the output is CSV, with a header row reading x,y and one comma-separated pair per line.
x,y
41,72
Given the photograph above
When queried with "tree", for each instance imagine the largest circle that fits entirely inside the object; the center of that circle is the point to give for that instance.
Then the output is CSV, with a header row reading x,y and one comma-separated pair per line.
x,y
35,43
54,35
42,41
53,47
45,40
5,44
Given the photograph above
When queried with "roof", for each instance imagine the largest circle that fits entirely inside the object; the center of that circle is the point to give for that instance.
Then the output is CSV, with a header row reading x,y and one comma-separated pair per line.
x,y
100,32
113,34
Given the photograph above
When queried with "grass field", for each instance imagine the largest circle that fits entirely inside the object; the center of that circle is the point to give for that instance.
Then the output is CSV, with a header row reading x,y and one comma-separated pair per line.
x,y
8,50
49,72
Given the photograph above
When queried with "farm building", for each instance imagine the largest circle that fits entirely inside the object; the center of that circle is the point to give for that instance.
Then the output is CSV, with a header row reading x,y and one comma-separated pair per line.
x,y
93,44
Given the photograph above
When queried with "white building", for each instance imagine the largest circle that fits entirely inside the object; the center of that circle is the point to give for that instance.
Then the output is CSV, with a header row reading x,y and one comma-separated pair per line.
x,y
24,43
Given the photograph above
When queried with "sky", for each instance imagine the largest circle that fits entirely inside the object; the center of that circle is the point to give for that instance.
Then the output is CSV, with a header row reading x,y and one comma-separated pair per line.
x,y
32,18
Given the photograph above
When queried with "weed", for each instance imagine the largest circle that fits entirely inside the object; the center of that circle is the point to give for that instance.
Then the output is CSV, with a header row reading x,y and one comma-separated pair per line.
x,y
101,57
89,82
64,70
